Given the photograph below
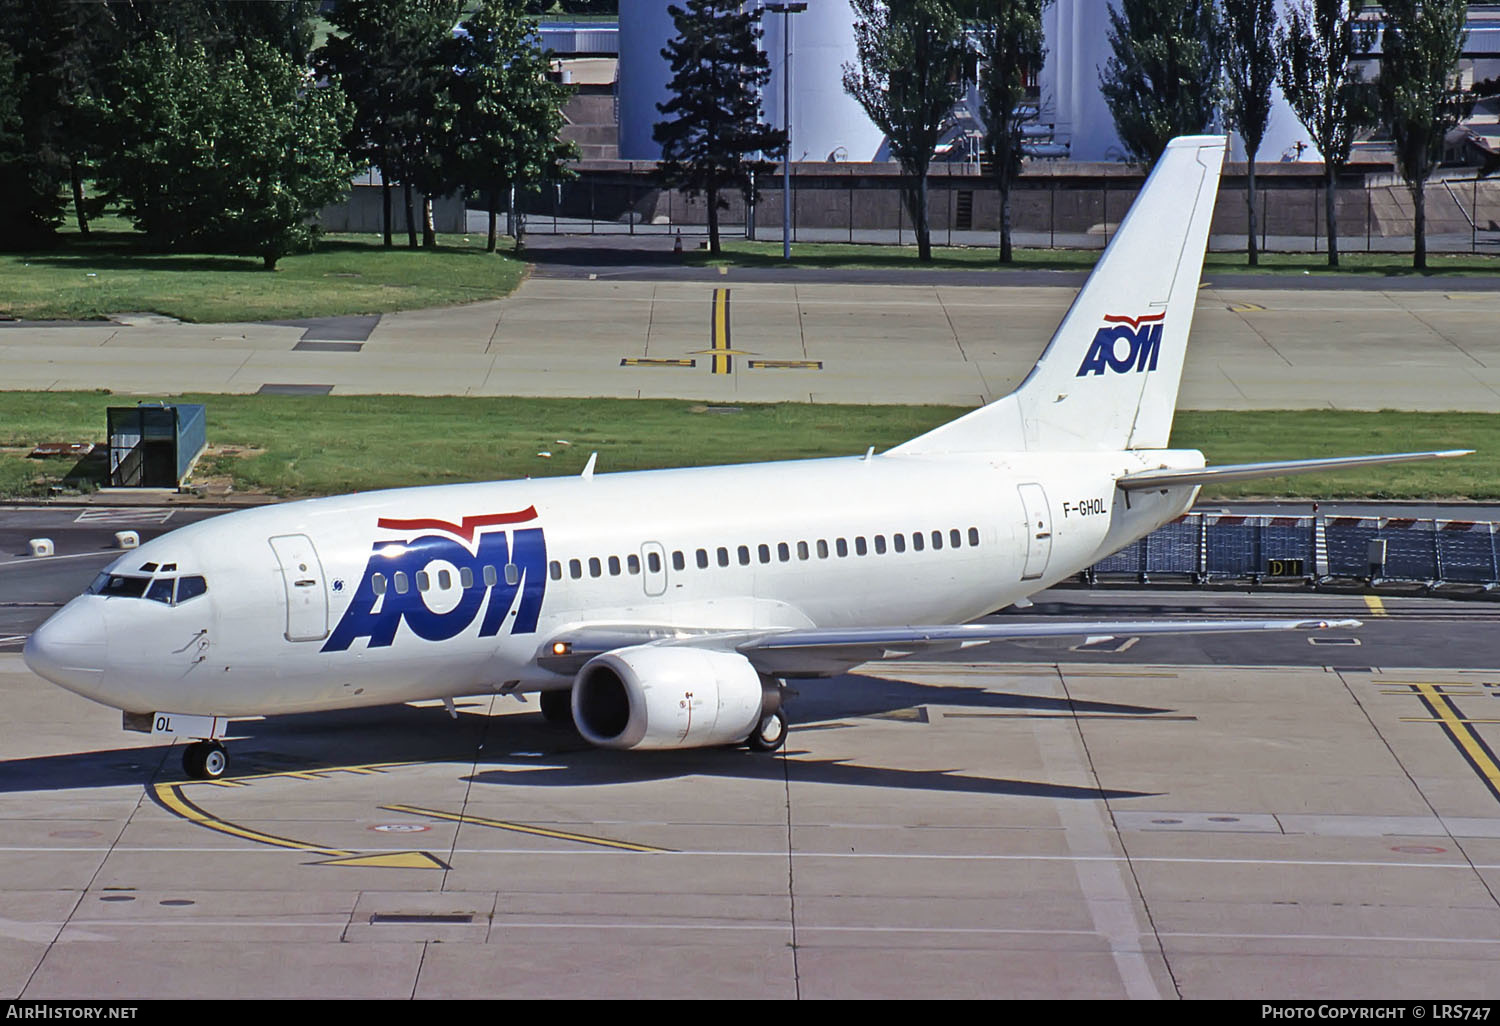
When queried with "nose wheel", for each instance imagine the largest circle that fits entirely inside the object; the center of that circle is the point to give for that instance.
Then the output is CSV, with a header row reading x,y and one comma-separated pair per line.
x,y
205,760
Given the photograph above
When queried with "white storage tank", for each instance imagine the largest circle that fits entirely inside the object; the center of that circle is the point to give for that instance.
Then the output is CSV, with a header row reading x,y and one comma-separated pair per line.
x,y
645,27
826,121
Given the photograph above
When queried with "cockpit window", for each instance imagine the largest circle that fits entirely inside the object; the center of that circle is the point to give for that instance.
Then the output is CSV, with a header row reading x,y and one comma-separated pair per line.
x,y
159,589
120,586
190,587
148,568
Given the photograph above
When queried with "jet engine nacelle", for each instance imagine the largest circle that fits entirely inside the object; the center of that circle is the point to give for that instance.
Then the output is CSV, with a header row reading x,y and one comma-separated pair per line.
x,y
651,697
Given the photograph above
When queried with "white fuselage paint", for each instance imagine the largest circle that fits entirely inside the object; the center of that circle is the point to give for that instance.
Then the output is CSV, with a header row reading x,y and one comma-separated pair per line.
x,y
230,653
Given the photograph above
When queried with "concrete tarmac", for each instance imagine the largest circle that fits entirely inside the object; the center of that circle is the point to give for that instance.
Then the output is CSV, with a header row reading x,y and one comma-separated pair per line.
x,y
1018,824
1260,345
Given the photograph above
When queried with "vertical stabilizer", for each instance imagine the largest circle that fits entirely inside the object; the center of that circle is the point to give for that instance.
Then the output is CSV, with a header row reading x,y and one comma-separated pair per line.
x,y
1108,379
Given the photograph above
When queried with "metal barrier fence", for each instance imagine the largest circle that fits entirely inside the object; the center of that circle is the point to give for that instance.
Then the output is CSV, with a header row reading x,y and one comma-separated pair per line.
x,y
1374,214
1202,548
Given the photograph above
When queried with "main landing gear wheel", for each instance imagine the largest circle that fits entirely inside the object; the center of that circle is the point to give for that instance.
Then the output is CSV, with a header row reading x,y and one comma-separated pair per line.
x,y
205,760
557,707
770,734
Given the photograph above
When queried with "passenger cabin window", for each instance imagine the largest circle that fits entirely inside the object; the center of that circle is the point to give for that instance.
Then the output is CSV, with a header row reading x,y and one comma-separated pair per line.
x,y
595,569
783,551
554,570
898,542
954,539
399,580
859,545
466,577
802,550
423,581
764,552
880,545
702,557
916,541
841,547
491,579
513,574
653,562
677,561
973,536
614,566
822,549
744,554
723,556
377,583
575,569
633,564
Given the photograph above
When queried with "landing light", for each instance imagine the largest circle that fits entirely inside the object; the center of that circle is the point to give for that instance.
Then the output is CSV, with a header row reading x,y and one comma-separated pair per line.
x,y
561,648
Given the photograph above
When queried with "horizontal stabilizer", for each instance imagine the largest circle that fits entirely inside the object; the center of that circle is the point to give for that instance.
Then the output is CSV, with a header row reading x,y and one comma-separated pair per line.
x,y
1280,468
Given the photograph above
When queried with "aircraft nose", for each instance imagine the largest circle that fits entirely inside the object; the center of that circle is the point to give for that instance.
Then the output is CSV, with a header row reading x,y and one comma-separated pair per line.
x,y
69,649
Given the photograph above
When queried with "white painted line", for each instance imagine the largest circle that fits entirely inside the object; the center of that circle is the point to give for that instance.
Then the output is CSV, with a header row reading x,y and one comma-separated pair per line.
x,y
145,515
112,554
601,853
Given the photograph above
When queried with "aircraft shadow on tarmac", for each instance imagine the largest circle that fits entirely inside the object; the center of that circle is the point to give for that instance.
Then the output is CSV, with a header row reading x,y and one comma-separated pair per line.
x,y
525,751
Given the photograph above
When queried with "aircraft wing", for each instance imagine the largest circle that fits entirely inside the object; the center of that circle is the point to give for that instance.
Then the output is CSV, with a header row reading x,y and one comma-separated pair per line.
x,y
822,651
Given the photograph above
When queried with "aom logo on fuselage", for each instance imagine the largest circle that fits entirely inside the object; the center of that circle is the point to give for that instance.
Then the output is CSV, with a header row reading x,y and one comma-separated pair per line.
x,y
467,567
1125,344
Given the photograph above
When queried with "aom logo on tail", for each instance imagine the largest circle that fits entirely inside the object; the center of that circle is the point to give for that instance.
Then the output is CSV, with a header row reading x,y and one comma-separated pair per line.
x,y
1124,344
437,583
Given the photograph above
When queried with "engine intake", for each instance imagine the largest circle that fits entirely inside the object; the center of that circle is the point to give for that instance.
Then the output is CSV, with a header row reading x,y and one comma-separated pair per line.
x,y
651,697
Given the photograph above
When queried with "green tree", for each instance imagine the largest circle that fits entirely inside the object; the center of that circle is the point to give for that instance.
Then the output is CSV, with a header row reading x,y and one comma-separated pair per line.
x,y
1161,81
1421,97
713,120
234,154
394,59
27,217
909,76
510,111
1008,34
1318,46
1248,48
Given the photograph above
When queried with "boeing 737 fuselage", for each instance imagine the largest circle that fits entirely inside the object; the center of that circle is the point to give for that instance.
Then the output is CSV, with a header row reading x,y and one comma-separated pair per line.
x,y
665,609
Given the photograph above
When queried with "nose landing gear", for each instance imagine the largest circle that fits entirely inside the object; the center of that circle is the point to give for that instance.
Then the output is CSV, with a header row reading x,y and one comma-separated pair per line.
x,y
205,760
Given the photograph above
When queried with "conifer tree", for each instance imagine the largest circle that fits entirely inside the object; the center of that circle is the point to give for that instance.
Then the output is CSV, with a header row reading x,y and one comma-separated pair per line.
x,y
712,123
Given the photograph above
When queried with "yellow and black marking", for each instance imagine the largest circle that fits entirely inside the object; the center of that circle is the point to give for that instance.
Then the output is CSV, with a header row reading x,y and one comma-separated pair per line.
x,y
786,364
723,361
1439,702
390,860
171,798
499,824
1244,308
651,361
719,348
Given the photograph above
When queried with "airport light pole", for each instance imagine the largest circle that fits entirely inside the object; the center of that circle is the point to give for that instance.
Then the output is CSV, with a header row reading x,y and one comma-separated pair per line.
x,y
786,10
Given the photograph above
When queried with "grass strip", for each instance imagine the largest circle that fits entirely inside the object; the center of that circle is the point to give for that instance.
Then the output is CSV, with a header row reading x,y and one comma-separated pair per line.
x,y
347,274
320,445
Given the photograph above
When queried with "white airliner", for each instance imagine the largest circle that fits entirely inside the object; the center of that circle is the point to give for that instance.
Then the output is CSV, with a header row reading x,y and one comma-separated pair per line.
x,y
666,609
